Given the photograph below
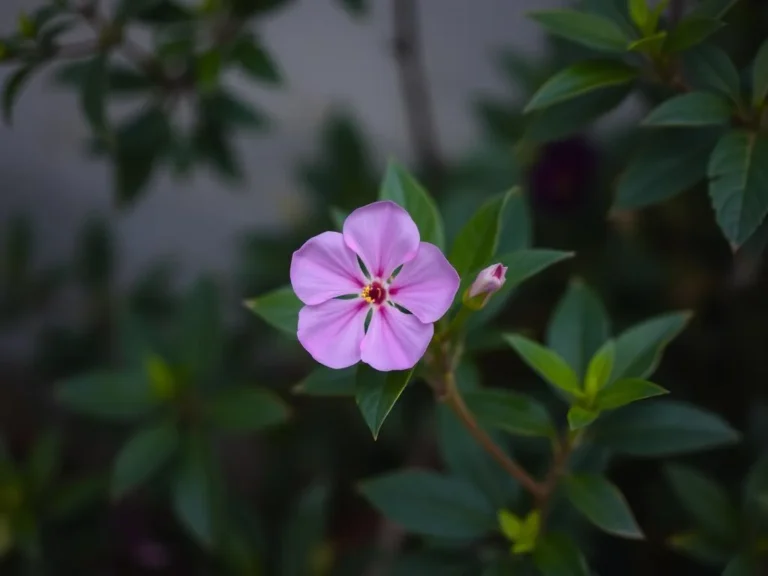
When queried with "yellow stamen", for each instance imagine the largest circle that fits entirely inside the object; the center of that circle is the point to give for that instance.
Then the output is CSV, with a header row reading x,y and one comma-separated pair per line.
x,y
366,295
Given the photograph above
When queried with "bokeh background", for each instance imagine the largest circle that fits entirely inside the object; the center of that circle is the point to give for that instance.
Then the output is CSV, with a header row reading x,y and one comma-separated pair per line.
x,y
72,259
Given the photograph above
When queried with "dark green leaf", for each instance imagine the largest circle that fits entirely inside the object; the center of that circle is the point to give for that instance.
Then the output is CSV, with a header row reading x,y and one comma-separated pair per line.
x,y
93,93
579,79
603,504
738,173
355,7
43,461
690,32
328,382
588,29
477,241
161,12
625,392
639,349
741,565
200,332
509,411
580,417
96,254
579,326
376,394
429,504
246,410
211,144
192,495
692,109
670,162
72,497
712,8
700,547
304,531
652,45
706,502
208,70
756,487
123,80
108,395
279,309
557,555
403,189
760,75
13,85
19,247
227,110
546,363
709,68
142,456
128,9
662,428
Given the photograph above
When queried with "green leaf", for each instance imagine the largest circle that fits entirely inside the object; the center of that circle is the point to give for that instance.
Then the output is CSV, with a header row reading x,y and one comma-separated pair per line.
x,y
212,145
509,411
712,8
142,456
546,363
641,15
279,309
557,555
652,45
756,487
662,428
709,68
43,461
429,504
377,392
706,502
129,9
700,547
192,495
627,391
199,334
580,417
108,395
72,497
93,93
760,76
355,7
328,382
208,70
304,531
741,565
692,109
229,111
587,29
579,79
690,32
599,369
246,410
477,241
639,349
738,173
13,86
602,504
510,524
670,162
578,327
400,187
256,61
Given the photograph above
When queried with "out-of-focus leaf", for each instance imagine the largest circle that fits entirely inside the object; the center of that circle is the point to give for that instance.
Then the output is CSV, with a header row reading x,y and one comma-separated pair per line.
x,y
760,75
279,309
712,8
588,29
691,109
161,12
691,31
96,254
93,92
557,555
142,456
72,497
13,86
212,145
227,110
255,60
603,504
246,410
709,68
304,531
377,392
200,337
43,461
108,395
192,494
328,382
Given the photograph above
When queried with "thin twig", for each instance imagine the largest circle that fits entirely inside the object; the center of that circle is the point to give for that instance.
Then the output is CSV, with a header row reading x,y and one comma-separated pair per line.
x,y
415,90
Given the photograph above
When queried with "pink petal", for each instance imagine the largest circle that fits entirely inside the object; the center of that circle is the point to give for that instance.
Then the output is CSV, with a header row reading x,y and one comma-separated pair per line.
x,y
383,235
324,268
332,331
395,340
426,285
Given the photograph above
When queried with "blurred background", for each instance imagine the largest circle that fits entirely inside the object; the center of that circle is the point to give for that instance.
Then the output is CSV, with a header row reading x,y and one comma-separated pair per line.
x,y
441,88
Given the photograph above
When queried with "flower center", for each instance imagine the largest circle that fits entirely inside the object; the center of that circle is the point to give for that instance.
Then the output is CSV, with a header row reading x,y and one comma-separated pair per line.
x,y
374,293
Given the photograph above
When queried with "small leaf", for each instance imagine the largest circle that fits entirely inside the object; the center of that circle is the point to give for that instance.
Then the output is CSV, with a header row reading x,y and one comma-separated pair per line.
x,y
557,555
279,309
546,363
581,78
662,428
304,531
377,392
639,349
690,32
652,45
707,502
510,524
580,417
578,327
429,504
738,173
509,411
477,241
709,68
244,409
600,368
255,60
93,93
229,111
640,14
692,109
588,29
529,533
191,495
400,187
142,456
627,391
108,395
760,76
13,86
603,504
328,382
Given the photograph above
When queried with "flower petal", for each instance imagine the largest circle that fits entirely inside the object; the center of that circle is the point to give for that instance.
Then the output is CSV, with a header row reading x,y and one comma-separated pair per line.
x,y
324,268
395,340
332,331
426,285
383,235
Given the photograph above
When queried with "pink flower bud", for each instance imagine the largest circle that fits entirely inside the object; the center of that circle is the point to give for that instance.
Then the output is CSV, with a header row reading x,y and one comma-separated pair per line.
x,y
488,282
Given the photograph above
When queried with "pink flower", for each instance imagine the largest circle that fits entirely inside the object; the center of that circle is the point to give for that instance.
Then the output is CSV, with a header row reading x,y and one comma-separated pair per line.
x,y
488,282
326,276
